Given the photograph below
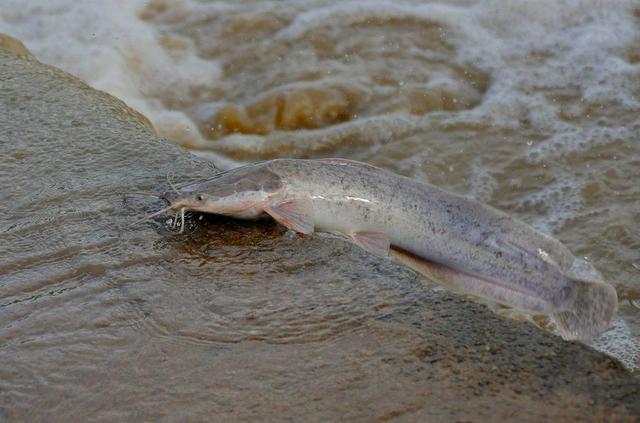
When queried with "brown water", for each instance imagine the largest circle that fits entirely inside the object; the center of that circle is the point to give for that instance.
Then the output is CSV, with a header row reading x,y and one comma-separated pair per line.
x,y
527,106
531,107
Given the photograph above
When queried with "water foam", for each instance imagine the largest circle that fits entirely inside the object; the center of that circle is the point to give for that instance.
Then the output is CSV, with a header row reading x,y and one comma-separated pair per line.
x,y
108,46
526,48
620,343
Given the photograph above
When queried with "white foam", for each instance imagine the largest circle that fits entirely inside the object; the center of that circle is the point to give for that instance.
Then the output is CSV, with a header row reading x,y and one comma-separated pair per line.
x,y
575,140
108,46
561,200
380,130
356,11
482,182
581,44
620,343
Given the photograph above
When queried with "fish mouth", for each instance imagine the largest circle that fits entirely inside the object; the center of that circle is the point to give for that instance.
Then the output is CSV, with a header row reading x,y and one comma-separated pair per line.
x,y
170,198
177,207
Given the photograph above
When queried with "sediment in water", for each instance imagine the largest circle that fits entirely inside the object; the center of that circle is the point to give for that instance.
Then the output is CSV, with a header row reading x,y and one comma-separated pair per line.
x,y
233,319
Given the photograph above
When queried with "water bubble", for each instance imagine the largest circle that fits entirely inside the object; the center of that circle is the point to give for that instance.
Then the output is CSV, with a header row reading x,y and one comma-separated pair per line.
x,y
620,343
291,234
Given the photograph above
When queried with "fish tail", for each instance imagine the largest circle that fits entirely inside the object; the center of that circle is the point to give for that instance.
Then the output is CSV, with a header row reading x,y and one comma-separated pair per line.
x,y
589,314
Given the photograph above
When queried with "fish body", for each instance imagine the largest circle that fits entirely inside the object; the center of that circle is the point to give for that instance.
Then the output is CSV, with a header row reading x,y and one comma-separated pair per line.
x,y
461,243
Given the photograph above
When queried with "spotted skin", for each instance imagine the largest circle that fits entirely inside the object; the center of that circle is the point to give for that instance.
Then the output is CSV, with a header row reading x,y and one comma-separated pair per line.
x,y
456,240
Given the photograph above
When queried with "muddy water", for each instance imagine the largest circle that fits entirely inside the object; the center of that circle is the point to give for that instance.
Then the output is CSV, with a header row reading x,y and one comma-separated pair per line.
x,y
531,107
237,320
528,106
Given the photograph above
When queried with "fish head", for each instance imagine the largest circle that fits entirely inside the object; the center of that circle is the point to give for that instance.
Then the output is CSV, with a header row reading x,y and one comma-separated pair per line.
x,y
241,193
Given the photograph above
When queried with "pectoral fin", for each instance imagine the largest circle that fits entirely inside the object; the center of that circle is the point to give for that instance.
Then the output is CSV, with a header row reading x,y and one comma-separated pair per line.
x,y
294,213
373,242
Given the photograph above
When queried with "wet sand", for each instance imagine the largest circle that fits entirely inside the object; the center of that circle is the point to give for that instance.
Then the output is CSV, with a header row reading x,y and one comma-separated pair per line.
x,y
233,320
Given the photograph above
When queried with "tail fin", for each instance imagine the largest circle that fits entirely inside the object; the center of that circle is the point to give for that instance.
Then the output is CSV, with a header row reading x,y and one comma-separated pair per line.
x,y
594,305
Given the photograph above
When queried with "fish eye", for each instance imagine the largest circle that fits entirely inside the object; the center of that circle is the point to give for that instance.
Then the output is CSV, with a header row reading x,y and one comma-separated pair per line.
x,y
199,197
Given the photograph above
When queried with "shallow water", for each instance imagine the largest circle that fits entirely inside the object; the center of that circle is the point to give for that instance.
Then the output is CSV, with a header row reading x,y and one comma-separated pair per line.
x,y
529,106
102,320
239,320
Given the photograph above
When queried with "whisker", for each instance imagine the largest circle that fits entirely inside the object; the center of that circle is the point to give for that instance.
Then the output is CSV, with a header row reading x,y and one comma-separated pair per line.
x,y
152,215
143,194
180,186
182,214
175,219
171,184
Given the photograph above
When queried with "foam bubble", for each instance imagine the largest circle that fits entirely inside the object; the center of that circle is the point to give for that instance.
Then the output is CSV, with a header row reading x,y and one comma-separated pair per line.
x,y
108,46
483,184
170,57
576,140
620,343
558,202
351,13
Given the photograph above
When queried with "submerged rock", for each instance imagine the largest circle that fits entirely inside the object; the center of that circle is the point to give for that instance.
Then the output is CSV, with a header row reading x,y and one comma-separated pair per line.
x,y
232,319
